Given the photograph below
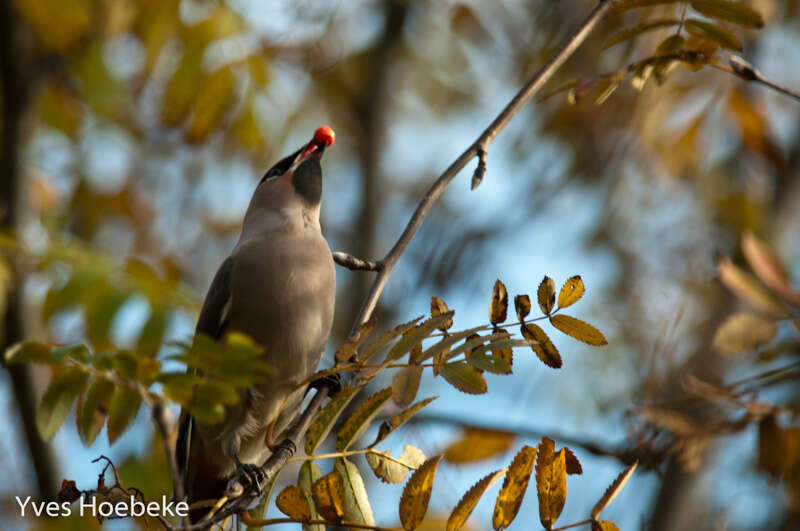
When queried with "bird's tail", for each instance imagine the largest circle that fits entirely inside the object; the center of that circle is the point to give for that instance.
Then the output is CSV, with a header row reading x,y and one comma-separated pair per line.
x,y
199,481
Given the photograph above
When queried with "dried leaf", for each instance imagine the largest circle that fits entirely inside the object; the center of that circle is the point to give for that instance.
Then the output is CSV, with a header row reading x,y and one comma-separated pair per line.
x,y
551,482
498,309
744,331
476,444
405,385
514,487
58,399
326,417
329,497
604,525
613,490
464,377
389,426
580,330
573,465
359,421
522,303
546,295
767,268
467,503
711,32
390,470
637,30
747,288
356,508
417,494
439,307
571,291
293,503
443,346
349,348
381,342
541,345
736,12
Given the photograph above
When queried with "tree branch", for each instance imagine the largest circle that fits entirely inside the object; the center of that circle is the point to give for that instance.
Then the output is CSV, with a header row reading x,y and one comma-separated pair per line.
x,y
384,267
355,264
744,70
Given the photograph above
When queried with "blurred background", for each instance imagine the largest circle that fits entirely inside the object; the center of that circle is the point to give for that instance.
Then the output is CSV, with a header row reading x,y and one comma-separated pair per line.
x,y
134,132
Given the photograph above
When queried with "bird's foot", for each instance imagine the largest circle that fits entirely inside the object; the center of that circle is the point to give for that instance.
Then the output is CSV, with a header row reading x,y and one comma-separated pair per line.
x,y
250,475
333,382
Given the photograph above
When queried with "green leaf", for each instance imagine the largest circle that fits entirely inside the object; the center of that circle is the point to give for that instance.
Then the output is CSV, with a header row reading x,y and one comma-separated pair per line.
x,y
464,377
631,33
358,422
379,344
389,426
736,12
58,400
356,503
447,342
124,406
491,363
326,417
308,475
713,33
93,410
29,352
152,333
416,335
405,385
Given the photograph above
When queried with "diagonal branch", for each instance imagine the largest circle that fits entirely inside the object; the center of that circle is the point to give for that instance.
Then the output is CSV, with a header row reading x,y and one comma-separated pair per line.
x,y
384,267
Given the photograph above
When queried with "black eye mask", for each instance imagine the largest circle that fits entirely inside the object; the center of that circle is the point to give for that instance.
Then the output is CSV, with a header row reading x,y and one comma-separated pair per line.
x,y
280,167
307,180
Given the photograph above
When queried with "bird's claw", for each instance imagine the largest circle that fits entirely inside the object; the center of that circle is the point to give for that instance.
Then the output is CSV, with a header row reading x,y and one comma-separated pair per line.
x,y
251,475
332,381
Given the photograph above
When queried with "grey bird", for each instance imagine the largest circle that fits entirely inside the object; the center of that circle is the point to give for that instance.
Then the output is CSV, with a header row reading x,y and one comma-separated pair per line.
x,y
277,287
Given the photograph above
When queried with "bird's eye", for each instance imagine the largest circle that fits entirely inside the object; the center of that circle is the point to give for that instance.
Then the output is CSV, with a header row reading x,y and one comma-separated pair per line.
x,y
280,168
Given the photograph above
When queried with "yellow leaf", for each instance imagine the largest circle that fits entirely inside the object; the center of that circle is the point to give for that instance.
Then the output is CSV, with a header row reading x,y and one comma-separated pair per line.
x,y
744,331
522,303
328,492
571,291
514,486
573,465
211,104
308,475
546,295
551,482
439,307
604,525
578,329
470,499
57,24
476,444
613,490
464,377
713,33
541,345
747,288
293,503
406,384
349,348
389,470
498,309
359,421
736,12
417,494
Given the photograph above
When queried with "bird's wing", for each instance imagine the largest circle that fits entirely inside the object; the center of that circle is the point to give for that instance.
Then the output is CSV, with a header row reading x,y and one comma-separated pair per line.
x,y
212,322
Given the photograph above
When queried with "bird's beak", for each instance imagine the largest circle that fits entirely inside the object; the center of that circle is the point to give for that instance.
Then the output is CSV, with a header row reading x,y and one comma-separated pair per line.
x,y
323,137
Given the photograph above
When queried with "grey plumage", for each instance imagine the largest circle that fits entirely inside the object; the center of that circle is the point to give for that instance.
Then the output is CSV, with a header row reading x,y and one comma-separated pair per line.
x,y
278,287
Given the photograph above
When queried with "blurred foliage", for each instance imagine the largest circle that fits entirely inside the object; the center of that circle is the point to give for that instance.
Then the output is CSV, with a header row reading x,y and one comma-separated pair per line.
x,y
133,100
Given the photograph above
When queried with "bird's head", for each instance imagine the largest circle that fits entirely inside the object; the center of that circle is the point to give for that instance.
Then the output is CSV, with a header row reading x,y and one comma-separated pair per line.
x,y
301,171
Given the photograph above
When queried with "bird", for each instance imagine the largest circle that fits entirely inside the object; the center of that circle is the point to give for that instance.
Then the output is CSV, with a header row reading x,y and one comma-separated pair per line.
x,y
278,287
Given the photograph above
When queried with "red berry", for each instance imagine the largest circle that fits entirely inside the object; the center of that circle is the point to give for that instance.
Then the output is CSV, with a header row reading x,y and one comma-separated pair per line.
x,y
324,136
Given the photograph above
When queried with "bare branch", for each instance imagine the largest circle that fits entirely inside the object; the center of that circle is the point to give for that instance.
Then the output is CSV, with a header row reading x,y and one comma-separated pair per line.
x,y
744,70
356,264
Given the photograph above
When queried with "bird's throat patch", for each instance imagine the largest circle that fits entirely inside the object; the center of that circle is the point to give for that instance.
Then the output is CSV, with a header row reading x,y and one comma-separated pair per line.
x,y
307,180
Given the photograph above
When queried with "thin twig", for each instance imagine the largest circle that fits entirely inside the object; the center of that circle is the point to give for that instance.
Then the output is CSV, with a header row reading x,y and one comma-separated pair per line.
x,y
164,425
743,69
356,264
